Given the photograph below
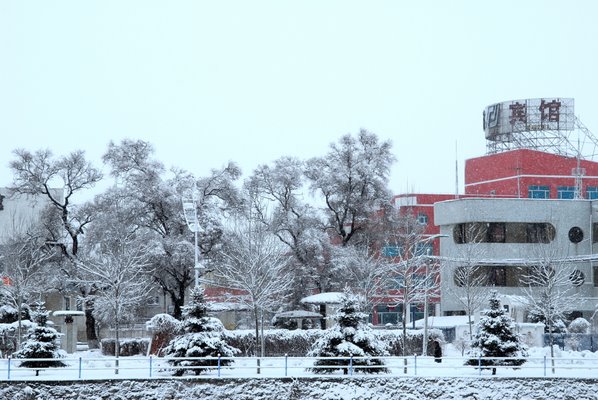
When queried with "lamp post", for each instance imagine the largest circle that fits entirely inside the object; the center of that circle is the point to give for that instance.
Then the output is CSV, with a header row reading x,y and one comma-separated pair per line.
x,y
190,212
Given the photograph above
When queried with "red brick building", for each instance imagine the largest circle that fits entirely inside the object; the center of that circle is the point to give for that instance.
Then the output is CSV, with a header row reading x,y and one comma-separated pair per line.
x,y
525,173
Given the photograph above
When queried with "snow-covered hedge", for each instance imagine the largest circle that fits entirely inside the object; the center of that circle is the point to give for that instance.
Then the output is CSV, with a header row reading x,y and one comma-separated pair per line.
x,y
128,347
297,343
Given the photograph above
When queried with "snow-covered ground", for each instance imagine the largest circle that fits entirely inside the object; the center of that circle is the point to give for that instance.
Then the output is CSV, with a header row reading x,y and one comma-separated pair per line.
x,y
573,379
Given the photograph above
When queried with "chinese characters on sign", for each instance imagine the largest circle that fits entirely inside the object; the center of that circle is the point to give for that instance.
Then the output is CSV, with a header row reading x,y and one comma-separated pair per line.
x,y
550,111
518,113
528,115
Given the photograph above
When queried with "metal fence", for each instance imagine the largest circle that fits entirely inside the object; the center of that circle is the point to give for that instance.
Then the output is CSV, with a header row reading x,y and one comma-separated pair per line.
x,y
159,367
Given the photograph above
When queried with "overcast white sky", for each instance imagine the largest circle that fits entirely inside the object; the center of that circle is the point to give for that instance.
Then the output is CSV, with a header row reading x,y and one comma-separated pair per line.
x,y
250,81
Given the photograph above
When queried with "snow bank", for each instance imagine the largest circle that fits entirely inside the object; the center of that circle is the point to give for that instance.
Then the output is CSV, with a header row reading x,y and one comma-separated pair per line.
x,y
363,388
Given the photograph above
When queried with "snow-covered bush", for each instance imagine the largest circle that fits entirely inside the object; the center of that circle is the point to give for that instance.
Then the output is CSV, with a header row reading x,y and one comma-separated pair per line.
x,y
278,342
164,328
297,343
164,323
413,342
579,325
351,336
496,336
558,325
10,314
128,347
41,343
202,337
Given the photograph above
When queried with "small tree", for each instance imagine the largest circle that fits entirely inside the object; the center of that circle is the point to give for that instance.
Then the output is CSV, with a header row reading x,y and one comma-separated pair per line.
x,y
470,289
351,336
254,265
579,325
41,343
202,338
550,293
496,337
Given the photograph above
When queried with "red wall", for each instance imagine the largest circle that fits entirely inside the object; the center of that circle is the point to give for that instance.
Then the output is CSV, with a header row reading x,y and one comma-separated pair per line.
x,y
498,173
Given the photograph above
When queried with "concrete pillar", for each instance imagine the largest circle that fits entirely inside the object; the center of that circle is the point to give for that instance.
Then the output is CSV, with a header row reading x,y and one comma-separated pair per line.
x,y
68,327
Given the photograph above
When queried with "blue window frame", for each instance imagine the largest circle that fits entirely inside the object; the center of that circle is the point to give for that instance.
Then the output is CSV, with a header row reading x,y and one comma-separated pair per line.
x,y
565,192
538,192
422,218
592,192
392,251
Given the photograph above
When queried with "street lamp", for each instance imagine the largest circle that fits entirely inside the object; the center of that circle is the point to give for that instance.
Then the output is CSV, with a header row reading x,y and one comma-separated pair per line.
x,y
190,212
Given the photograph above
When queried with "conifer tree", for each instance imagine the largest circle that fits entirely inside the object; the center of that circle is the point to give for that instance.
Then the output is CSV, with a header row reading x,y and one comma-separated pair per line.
x,y
351,336
202,337
496,337
40,343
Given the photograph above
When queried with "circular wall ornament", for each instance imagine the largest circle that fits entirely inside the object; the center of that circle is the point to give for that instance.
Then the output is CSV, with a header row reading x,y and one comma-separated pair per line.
x,y
575,234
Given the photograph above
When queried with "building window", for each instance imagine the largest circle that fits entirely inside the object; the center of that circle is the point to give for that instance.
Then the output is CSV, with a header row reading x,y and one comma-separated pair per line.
x,y
504,232
565,192
395,283
392,251
592,192
496,232
422,218
538,192
595,273
495,275
387,314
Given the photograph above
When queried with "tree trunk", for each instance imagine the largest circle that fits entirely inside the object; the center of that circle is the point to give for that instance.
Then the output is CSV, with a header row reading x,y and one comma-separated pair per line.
x,y
90,329
116,345
404,349
178,302
20,318
257,337
551,341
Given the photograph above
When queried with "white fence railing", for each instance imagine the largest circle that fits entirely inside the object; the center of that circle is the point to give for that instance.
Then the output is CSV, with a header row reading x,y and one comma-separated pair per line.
x,y
212,367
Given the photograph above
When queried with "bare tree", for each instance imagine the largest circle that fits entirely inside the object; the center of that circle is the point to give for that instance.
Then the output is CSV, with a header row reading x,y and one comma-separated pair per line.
x,y
550,291
410,267
254,262
470,289
353,180
275,196
37,174
120,273
364,271
154,204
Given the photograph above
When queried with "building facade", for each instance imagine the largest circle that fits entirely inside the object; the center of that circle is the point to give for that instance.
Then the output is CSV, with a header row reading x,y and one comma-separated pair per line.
x,y
505,237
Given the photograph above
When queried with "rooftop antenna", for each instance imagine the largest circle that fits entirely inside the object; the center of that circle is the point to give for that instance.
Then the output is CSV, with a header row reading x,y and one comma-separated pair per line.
x,y
456,173
578,172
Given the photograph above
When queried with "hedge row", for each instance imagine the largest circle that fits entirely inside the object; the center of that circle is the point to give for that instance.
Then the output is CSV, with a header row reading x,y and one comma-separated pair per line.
x,y
278,342
297,343
128,347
